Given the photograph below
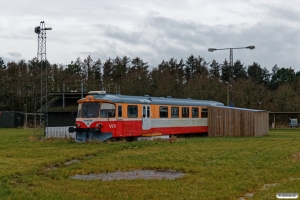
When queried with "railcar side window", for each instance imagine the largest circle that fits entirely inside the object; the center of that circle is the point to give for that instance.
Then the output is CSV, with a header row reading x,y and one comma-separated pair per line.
x,y
174,112
107,110
204,113
195,112
90,110
132,111
163,112
148,111
185,112
119,111
144,111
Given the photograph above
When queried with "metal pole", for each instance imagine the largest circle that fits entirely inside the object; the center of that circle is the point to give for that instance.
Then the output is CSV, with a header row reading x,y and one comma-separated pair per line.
x,y
231,57
227,94
82,90
63,95
231,75
25,113
101,86
35,111
274,122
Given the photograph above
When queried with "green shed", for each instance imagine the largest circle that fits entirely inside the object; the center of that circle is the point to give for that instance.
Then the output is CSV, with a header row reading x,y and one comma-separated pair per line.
x,y
11,119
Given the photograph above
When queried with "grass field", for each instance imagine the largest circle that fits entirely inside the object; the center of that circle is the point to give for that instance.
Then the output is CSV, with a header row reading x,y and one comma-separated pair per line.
x,y
216,168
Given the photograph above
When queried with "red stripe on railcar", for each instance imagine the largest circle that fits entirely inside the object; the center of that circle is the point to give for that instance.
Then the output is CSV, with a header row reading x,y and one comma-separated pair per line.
x,y
120,128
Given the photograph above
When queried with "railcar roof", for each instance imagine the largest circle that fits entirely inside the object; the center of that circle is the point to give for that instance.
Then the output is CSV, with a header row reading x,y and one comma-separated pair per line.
x,y
118,98
246,109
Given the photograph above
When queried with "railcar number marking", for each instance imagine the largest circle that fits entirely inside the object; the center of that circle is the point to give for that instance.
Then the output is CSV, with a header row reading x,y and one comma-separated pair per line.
x,y
112,126
144,100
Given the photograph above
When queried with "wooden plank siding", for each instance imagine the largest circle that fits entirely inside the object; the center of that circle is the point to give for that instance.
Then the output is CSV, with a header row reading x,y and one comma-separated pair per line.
x,y
237,122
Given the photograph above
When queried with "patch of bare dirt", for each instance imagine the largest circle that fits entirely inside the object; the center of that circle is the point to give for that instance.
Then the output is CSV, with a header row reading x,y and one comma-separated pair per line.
x,y
296,156
249,195
72,162
33,138
266,186
129,175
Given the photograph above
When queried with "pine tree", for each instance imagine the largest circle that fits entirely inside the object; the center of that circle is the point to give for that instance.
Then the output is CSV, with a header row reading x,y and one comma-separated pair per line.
x,y
214,69
2,64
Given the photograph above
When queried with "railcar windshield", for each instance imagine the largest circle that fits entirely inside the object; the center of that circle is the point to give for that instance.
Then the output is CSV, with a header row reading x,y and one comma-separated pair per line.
x,y
88,110
92,110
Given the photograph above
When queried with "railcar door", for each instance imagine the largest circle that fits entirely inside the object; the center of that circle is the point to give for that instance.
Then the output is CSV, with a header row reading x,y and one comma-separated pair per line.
x,y
146,117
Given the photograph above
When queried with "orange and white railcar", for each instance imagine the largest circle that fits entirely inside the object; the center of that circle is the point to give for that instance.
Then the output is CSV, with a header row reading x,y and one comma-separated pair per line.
x,y
102,116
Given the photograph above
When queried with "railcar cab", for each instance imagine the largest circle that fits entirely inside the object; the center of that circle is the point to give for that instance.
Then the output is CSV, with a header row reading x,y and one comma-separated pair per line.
x,y
96,110
93,117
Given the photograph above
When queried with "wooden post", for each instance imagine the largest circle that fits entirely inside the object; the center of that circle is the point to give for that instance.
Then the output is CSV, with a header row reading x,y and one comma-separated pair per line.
x,y
25,113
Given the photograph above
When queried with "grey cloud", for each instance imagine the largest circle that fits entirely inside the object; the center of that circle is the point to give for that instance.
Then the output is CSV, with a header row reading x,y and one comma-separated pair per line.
x,y
288,14
5,59
114,32
15,55
164,38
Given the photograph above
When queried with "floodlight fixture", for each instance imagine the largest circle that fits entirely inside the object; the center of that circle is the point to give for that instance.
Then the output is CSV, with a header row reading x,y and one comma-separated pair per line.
x,y
251,47
212,49
37,30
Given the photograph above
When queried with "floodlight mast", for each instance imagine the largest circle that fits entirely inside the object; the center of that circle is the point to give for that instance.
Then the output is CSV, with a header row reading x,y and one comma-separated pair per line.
x,y
41,103
231,63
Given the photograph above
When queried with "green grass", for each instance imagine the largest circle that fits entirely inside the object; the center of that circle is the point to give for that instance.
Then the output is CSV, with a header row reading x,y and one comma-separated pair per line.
x,y
216,168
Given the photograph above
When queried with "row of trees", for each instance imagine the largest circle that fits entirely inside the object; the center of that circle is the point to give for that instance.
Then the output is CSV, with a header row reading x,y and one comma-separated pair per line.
x,y
250,86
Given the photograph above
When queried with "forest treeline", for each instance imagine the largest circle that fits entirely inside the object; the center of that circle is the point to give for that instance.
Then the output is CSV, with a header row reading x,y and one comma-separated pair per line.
x,y
248,86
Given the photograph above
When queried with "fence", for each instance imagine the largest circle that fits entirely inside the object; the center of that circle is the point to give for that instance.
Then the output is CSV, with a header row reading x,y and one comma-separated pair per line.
x,y
59,132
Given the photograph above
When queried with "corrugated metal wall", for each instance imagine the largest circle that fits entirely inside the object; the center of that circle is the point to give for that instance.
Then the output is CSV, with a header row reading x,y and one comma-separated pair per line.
x,y
238,122
11,119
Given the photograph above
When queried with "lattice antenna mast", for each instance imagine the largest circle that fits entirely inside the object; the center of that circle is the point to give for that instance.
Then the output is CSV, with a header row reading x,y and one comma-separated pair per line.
x,y
42,61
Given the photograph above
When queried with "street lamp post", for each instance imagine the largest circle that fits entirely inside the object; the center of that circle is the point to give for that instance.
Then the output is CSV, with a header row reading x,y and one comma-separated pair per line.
x,y
228,85
231,65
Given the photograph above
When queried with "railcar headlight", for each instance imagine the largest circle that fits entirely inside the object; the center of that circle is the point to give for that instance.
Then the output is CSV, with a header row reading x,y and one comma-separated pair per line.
x,y
77,125
99,125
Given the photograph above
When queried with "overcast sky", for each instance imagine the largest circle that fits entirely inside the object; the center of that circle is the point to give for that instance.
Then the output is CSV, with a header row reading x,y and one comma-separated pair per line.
x,y
154,30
